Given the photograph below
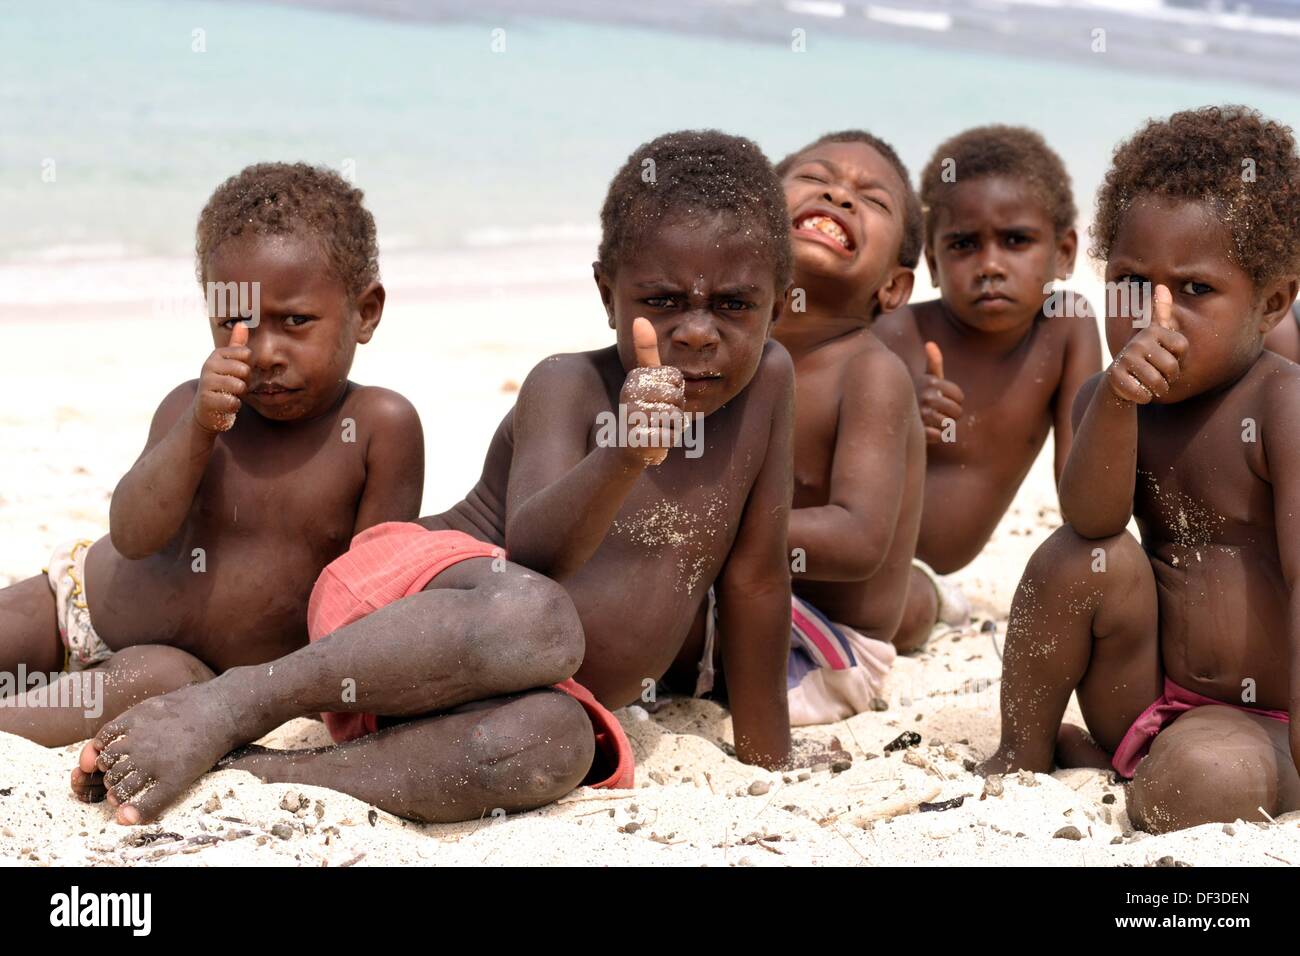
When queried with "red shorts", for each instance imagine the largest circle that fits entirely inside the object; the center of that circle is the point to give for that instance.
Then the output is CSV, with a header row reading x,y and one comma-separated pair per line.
x,y
1169,706
397,559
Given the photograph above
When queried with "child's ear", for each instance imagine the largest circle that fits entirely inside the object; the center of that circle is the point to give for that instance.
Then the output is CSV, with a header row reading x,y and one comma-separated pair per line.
x,y
606,292
896,290
1067,247
1277,298
370,306
779,307
930,266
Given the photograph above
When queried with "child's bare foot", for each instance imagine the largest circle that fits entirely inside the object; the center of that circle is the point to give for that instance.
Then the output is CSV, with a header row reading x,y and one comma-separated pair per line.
x,y
1006,761
145,759
1076,748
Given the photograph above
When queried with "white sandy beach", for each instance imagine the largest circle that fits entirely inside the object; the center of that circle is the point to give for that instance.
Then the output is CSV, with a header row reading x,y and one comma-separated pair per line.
x,y
81,386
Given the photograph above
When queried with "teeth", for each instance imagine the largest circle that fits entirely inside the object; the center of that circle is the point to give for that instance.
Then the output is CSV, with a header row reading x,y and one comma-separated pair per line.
x,y
827,227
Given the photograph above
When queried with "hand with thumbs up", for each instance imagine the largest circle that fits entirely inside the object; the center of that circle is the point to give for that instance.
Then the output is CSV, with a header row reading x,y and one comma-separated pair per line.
x,y
223,379
658,392
939,398
1151,362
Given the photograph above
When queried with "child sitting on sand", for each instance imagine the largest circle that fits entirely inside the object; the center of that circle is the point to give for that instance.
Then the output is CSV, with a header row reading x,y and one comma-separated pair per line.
x,y
254,477
637,524
1192,431
997,358
859,453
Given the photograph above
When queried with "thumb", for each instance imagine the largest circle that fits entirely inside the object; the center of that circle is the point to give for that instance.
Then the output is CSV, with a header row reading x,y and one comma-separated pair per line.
x,y
1163,308
646,343
933,360
239,334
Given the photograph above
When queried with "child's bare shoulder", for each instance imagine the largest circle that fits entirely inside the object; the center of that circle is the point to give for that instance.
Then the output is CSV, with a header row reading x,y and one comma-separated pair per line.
x,y
899,331
382,407
570,374
775,374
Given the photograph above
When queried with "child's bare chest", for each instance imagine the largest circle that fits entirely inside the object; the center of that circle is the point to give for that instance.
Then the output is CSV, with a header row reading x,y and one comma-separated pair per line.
x,y
1199,481
304,492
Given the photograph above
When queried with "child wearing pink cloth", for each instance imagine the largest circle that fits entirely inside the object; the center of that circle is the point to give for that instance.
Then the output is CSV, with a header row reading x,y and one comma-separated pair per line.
x,y
397,559
1171,705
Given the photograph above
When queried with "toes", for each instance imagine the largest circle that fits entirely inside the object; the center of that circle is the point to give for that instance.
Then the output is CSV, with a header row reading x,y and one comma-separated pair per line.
x,y
89,757
87,787
127,786
150,801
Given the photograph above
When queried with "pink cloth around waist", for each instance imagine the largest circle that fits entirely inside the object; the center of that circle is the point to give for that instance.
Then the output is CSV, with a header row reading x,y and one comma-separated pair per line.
x,y
1168,707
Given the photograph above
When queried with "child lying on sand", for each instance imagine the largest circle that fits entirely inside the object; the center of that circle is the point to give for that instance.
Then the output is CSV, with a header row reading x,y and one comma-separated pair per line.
x,y
997,359
1192,431
254,476
694,267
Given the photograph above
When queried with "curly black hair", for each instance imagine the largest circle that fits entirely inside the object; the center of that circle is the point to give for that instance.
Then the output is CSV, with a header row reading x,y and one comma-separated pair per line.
x,y
274,199
909,247
694,171
1011,151
1240,163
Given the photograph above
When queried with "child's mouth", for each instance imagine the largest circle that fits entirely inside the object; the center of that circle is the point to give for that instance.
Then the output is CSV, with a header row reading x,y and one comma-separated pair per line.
x,y
825,229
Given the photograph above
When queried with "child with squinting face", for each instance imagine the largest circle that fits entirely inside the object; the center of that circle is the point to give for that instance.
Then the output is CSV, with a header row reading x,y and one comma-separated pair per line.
x,y
670,554
1184,648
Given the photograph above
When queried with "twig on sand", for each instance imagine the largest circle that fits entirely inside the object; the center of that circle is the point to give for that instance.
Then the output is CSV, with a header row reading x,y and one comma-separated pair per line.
x,y
897,808
1266,815
588,798
356,859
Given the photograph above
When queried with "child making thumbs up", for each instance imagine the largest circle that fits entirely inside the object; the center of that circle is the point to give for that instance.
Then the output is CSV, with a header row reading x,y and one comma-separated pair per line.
x,y
250,481
1184,649
997,358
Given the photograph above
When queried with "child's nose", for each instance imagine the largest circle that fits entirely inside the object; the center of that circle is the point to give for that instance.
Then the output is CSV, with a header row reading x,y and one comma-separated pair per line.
x,y
837,195
696,331
265,345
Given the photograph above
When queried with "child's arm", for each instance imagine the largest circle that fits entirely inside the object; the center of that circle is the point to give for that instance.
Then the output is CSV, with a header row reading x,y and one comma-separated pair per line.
x,y
1082,361
1100,476
562,499
394,459
753,589
153,499
849,537
1282,453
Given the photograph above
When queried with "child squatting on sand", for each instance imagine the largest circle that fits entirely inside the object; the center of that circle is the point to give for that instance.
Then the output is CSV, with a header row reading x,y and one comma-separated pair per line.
x,y
1184,648
453,646
254,476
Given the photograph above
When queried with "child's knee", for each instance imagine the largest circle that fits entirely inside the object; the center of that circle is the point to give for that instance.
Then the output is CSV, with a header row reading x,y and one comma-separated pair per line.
x,y
154,669
544,642
1068,561
535,775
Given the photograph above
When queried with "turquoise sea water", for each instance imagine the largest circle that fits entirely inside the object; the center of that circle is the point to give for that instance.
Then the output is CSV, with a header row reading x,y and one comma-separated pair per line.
x,y
454,142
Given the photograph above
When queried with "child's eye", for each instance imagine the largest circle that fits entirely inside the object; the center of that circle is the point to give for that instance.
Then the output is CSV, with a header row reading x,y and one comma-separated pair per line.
x,y
733,305
294,321
877,201
1196,288
958,245
1018,240
811,178
659,301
